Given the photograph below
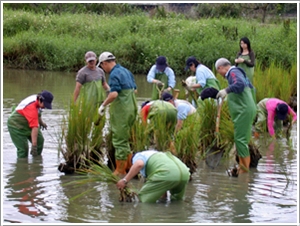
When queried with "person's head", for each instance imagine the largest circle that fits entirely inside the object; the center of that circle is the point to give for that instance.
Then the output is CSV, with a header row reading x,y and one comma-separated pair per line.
x,y
45,99
245,43
107,61
191,63
222,66
90,58
166,96
161,63
281,111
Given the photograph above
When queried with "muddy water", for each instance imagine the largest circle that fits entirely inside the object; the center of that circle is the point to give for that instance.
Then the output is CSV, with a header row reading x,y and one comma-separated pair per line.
x,y
33,190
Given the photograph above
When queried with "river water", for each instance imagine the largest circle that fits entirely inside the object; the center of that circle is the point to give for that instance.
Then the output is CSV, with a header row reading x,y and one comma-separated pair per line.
x,y
33,191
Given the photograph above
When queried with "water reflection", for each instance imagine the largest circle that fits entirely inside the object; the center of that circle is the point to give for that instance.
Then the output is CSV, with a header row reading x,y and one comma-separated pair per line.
x,y
34,190
24,189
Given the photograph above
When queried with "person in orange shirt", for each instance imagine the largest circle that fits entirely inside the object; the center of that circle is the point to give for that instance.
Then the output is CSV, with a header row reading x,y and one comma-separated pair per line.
x,y
23,124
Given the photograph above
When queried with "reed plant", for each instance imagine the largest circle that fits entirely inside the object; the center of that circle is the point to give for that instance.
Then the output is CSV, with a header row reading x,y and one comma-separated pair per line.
x,y
79,134
98,171
275,81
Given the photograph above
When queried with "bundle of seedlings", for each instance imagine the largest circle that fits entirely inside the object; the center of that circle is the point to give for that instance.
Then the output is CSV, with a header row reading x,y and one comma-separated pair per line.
x,y
80,137
98,171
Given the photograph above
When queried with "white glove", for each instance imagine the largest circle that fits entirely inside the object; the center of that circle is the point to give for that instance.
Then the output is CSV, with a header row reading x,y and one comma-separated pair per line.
x,y
101,110
222,93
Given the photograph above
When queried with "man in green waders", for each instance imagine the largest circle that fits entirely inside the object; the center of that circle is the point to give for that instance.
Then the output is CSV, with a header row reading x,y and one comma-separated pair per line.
x,y
123,109
163,171
23,123
162,77
91,82
242,108
204,76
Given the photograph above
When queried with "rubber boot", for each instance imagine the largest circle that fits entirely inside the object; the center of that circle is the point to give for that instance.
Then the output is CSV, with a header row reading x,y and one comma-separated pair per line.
x,y
120,168
129,162
244,164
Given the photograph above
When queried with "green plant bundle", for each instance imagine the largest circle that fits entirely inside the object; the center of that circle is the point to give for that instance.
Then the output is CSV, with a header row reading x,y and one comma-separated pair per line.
x,y
100,172
80,134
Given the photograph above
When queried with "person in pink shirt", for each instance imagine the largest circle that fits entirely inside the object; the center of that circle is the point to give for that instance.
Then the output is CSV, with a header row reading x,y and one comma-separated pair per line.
x,y
270,115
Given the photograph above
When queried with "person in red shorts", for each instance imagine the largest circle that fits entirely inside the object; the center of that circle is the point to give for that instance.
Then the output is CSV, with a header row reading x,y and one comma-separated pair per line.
x,y
23,124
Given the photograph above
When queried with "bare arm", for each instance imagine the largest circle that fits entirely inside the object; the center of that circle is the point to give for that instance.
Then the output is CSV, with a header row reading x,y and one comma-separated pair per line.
x,y
77,91
178,125
34,134
110,98
134,170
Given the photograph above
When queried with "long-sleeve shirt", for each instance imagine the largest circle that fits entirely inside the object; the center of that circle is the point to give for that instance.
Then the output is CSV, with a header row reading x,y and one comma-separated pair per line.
x,y
168,71
271,105
237,80
202,74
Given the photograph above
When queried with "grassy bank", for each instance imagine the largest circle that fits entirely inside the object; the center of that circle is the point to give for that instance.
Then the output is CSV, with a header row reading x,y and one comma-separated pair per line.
x,y
58,42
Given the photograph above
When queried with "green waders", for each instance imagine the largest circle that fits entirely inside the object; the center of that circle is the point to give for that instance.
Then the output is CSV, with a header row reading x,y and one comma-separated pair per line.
x,y
164,79
20,133
123,112
93,92
242,111
248,70
164,172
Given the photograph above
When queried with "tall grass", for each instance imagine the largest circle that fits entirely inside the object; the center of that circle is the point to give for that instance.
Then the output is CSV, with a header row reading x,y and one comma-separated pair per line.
x,y
58,42
275,81
80,138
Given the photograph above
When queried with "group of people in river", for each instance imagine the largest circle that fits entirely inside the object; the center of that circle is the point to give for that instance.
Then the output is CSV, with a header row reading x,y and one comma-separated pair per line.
x,y
163,170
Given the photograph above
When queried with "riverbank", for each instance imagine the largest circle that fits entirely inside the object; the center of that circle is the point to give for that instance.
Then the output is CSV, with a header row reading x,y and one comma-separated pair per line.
x,y
58,42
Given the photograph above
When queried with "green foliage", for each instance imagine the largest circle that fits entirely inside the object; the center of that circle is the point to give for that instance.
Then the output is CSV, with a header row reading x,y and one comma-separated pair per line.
x,y
59,42
281,83
80,136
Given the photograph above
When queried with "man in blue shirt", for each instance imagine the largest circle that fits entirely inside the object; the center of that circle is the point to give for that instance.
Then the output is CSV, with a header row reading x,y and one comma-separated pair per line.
x,y
123,109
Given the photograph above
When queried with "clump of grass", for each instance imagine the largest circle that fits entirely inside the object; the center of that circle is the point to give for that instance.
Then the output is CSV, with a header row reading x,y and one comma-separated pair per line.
x,y
98,171
79,136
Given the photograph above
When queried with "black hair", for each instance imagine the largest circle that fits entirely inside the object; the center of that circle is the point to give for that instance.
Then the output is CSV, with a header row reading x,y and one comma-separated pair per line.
x,y
246,41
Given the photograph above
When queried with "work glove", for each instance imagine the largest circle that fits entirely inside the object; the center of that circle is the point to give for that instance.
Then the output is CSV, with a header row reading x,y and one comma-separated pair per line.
x,y
42,124
33,151
222,93
159,84
101,110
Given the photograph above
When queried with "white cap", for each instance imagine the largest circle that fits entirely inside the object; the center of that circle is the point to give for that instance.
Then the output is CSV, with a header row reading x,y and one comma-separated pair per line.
x,y
105,56
90,55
